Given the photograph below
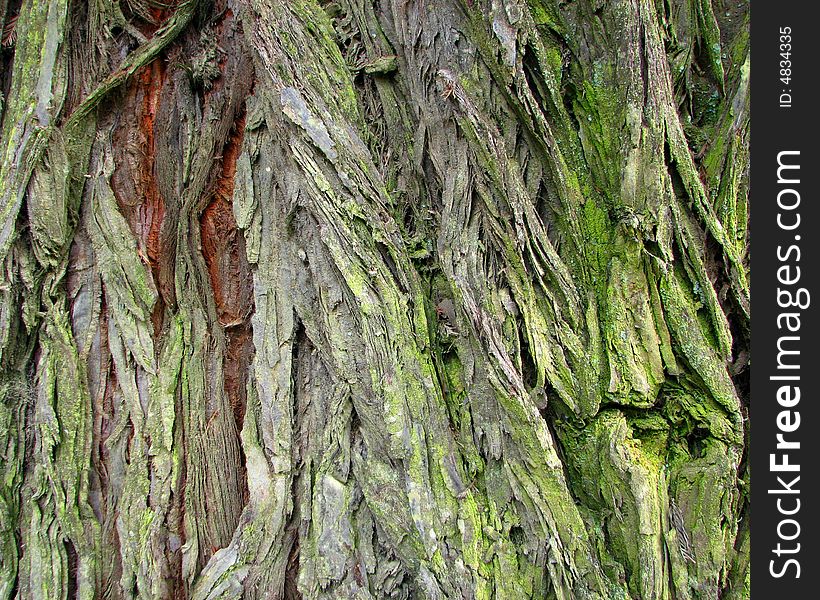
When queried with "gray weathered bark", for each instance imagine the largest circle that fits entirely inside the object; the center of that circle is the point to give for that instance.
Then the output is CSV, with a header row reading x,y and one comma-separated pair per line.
x,y
374,299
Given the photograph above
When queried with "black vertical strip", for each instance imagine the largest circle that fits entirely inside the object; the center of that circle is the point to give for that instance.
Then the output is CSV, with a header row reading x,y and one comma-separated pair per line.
x,y
786,424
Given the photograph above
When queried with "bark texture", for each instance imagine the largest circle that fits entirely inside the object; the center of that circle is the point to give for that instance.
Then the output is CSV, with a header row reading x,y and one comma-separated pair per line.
x,y
374,299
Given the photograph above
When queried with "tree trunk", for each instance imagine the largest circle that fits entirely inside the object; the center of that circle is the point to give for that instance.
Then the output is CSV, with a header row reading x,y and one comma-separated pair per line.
x,y
374,299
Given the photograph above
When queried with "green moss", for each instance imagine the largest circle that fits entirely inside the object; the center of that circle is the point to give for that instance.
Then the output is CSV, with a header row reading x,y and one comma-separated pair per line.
x,y
696,349
332,74
598,231
619,476
555,61
600,113
544,13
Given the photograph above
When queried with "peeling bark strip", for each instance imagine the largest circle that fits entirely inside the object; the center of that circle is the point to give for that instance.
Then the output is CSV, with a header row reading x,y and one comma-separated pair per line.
x,y
374,299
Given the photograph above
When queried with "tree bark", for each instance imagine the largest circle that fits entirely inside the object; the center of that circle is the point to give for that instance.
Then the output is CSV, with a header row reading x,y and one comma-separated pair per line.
x,y
374,299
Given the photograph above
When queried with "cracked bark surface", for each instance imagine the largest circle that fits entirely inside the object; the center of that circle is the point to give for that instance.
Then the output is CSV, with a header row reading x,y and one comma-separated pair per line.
x,y
374,299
